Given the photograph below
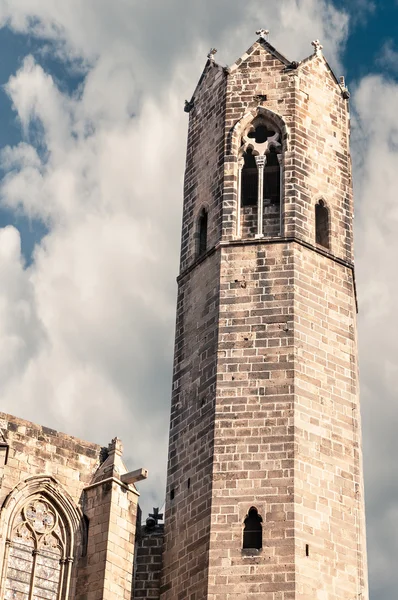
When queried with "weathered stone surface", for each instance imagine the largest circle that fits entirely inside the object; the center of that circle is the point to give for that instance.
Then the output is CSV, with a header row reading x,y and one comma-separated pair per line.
x,y
265,408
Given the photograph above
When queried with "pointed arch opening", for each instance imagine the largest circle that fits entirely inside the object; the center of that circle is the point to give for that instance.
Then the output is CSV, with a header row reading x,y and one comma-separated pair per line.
x,y
253,530
260,179
202,233
38,551
322,235
41,524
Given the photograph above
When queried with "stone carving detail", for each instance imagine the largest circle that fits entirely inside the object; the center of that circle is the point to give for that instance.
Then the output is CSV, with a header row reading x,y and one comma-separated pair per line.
x,y
317,47
212,53
263,33
260,148
36,553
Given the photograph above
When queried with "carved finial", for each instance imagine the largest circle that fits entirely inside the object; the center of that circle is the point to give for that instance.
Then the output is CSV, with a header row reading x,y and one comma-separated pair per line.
x,y
263,33
188,106
212,53
317,47
344,89
116,447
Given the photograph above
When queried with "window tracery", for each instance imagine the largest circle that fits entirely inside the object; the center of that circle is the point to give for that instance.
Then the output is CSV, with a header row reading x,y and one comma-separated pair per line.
x,y
37,553
259,180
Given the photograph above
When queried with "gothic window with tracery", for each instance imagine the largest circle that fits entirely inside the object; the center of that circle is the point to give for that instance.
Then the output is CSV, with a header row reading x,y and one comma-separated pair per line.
x,y
37,553
260,180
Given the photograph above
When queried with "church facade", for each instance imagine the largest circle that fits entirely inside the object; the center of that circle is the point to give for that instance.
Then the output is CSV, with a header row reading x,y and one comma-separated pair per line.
x,y
265,483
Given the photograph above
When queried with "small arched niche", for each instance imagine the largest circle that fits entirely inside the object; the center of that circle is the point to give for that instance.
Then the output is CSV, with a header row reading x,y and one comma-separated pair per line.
x,y
322,235
260,180
253,530
202,233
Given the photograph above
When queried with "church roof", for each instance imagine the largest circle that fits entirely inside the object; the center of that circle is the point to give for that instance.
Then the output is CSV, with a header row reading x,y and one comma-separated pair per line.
x,y
263,41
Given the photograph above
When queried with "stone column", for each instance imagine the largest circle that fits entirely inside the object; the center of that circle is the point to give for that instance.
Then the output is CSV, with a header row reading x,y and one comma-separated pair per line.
x,y
281,203
241,162
260,162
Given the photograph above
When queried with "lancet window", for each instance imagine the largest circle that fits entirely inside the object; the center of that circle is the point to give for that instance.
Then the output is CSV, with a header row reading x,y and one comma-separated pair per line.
x,y
202,233
322,224
260,181
37,565
253,530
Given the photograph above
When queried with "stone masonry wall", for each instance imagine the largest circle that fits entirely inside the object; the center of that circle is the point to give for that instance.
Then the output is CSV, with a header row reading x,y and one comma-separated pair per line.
x,y
329,507
254,433
283,432
203,183
38,450
148,564
259,73
189,481
188,499
83,482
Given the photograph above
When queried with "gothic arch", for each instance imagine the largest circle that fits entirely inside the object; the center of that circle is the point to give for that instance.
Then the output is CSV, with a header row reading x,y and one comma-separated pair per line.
x,y
50,487
55,537
201,235
258,172
241,126
322,223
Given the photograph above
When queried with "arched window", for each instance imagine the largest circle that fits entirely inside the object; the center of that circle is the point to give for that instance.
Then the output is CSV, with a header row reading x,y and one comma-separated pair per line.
x,y
322,224
202,232
272,177
260,177
249,180
38,552
253,531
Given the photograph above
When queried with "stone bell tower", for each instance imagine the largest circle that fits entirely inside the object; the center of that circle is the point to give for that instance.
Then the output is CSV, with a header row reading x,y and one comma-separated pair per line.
x,y
265,486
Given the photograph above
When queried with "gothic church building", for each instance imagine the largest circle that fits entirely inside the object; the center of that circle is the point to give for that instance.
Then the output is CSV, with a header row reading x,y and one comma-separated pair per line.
x,y
265,484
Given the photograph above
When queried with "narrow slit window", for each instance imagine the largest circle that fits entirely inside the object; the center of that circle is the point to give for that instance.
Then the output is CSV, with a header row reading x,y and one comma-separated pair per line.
x,y
253,530
322,224
272,178
249,180
202,232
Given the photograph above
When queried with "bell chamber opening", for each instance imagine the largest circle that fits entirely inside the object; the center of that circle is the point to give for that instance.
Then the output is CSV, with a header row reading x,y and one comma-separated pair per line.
x,y
260,181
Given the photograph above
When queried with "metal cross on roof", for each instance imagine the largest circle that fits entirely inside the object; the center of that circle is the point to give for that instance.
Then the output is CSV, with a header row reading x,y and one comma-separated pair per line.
x,y
263,33
156,516
317,46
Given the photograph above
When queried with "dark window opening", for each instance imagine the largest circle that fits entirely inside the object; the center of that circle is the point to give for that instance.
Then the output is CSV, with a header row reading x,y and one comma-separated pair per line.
x,y
272,178
202,233
253,531
249,180
322,224
189,482
307,550
172,494
261,134
86,521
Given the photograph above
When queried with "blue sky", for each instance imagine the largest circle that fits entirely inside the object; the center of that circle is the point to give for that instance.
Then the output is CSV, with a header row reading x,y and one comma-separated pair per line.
x,y
87,270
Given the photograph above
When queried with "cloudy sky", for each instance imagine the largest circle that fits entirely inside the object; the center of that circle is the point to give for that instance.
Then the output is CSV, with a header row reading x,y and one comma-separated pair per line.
x,y
92,137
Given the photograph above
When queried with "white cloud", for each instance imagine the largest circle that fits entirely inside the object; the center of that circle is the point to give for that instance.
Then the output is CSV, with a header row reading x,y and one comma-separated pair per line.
x,y
376,155
388,57
89,325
